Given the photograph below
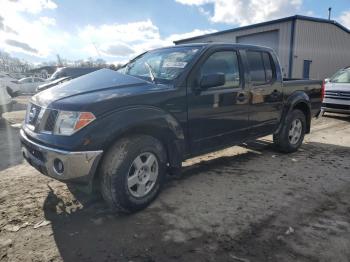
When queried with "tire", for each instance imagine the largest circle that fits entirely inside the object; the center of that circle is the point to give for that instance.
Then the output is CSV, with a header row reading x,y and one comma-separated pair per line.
x,y
121,163
283,140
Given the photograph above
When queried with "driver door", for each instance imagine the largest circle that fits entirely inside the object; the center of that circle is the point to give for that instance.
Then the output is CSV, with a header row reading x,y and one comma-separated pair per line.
x,y
217,116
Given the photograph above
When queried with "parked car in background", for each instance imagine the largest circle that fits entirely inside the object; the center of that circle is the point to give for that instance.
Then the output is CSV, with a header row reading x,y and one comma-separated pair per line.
x,y
65,74
120,132
337,93
28,85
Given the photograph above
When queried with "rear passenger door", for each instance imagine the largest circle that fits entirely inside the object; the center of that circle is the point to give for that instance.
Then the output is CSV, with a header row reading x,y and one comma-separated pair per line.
x,y
266,98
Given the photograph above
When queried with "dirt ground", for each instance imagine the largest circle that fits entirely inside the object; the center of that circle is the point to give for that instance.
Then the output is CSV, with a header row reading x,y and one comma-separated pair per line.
x,y
242,204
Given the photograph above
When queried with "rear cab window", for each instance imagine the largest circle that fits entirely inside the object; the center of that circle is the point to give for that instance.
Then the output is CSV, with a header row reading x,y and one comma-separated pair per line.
x,y
261,67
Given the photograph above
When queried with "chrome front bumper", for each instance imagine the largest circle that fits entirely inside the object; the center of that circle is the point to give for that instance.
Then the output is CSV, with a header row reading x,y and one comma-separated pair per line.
x,y
77,166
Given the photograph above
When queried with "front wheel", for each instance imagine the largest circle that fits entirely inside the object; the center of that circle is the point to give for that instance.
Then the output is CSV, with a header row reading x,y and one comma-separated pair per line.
x,y
291,135
132,172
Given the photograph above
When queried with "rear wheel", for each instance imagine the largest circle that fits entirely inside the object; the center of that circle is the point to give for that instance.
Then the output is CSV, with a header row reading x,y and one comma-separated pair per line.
x,y
132,173
291,135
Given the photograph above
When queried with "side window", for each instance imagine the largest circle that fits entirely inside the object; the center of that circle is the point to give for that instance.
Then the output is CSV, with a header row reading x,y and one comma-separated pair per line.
x,y
261,71
225,62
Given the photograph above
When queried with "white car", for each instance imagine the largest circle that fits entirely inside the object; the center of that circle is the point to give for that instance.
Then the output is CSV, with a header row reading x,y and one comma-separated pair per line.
x,y
337,93
28,85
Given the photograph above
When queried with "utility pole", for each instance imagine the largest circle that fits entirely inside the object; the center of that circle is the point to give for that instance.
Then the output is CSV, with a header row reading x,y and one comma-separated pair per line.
x,y
329,13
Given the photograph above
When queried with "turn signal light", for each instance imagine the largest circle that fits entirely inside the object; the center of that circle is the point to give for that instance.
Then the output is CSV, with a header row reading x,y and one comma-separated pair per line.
x,y
84,119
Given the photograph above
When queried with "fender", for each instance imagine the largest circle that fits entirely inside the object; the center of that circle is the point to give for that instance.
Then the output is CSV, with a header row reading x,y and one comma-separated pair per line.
x,y
144,120
300,100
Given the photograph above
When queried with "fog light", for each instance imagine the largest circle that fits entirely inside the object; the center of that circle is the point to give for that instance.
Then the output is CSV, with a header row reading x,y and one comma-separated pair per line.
x,y
58,166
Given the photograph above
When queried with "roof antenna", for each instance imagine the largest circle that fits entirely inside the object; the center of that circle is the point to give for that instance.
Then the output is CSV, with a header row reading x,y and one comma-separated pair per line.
x,y
97,51
329,13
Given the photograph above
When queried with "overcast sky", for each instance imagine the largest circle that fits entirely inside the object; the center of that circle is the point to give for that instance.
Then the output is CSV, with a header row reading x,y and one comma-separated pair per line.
x,y
37,30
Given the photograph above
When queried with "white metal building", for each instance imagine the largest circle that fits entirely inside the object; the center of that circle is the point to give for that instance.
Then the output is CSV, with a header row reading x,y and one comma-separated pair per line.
x,y
307,47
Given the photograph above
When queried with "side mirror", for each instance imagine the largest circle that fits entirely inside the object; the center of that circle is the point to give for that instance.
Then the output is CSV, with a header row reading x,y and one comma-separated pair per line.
x,y
212,80
326,80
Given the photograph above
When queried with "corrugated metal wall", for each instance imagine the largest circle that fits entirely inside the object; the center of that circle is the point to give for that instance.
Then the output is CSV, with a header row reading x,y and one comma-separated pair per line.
x,y
326,45
284,32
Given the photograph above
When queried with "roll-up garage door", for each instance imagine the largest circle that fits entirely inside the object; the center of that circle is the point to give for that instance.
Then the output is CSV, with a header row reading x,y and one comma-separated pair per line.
x,y
269,39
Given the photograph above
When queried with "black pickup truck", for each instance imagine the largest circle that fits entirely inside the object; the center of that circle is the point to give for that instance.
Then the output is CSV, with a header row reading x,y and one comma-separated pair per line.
x,y
121,132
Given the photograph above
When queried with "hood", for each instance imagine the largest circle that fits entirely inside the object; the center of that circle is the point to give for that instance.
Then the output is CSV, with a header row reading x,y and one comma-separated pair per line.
x,y
344,87
89,88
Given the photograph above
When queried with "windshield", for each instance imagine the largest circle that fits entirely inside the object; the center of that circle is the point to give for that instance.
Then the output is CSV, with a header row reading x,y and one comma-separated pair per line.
x,y
342,76
163,64
56,75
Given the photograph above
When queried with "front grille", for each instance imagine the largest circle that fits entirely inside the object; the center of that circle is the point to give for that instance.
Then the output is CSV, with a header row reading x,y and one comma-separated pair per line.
x,y
41,119
33,114
51,120
344,95
36,153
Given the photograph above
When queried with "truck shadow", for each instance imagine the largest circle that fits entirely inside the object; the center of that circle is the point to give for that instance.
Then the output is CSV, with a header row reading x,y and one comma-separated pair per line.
x,y
90,232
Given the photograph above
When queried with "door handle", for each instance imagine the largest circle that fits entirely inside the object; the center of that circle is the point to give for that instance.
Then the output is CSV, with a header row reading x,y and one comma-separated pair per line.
x,y
241,97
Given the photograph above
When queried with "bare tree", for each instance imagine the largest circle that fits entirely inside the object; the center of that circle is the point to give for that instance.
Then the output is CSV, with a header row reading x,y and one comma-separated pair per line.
x,y
13,65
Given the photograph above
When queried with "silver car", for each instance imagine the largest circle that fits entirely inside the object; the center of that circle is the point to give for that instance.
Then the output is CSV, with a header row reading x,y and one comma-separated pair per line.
x,y
337,92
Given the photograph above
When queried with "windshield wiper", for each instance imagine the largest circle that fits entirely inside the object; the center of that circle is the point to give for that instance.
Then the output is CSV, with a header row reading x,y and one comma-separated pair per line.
x,y
151,72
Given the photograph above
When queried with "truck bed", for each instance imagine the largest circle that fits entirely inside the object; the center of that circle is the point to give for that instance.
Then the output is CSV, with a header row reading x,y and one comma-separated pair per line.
x,y
313,88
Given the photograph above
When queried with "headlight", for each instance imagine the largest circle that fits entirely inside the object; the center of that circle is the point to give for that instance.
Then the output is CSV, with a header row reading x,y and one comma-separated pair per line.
x,y
68,123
